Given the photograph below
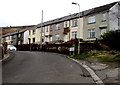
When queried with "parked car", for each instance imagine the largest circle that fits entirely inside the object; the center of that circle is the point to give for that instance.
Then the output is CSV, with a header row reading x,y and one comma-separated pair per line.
x,y
11,48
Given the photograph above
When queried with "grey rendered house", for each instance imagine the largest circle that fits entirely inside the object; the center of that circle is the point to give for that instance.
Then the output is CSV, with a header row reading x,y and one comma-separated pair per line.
x,y
99,20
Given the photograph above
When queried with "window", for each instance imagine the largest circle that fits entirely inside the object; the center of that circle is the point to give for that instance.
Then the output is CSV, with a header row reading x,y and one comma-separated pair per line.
x,y
51,28
29,32
19,35
18,42
65,24
65,38
33,31
91,19
46,29
33,40
104,17
42,38
74,23
57,37
74,34
50,38
9,37
57,26
91,33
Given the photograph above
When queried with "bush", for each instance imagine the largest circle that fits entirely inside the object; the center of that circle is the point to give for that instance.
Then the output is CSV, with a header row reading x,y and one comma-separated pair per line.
x,y
117,57
112,39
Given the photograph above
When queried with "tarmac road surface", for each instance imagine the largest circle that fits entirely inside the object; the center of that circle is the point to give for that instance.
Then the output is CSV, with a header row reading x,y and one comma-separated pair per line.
x,y
42,67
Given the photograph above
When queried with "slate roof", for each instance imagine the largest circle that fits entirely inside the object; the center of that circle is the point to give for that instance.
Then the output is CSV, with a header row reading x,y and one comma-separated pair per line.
x,y
81,14
99,9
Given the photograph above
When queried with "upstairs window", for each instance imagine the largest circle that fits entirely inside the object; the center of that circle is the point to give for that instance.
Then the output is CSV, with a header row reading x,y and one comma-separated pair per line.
x,y
29,32
46,29
33,31
91,33
9,38
57,27
91,19
66,24
74,23
51,27
19,35
104,17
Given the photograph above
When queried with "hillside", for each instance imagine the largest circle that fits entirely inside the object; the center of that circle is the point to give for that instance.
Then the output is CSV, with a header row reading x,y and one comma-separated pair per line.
x,y
6,30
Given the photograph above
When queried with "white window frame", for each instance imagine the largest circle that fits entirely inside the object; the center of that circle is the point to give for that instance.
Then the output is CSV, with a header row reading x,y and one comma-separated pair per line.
x,y
74,23
57,37
91,33
57,26
50,38
74,34
47,29
65,24
51,27
46,39
34,31
91,19
104,17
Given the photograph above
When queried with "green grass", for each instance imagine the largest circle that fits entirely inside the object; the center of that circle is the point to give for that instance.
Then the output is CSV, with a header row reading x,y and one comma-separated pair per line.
x,y
81,56
102,56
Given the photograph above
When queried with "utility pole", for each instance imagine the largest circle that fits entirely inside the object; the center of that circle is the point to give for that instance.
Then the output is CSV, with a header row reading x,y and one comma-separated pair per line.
x,y
41,26
78,26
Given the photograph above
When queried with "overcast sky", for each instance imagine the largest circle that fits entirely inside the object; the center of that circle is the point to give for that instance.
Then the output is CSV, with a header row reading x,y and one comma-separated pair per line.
x,y
28,12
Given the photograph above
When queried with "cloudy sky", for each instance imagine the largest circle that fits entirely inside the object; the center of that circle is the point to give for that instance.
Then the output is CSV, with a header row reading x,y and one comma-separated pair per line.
x,y
28,12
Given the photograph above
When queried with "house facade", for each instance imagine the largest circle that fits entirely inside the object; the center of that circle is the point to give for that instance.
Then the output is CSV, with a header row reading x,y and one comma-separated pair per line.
x,y
100,20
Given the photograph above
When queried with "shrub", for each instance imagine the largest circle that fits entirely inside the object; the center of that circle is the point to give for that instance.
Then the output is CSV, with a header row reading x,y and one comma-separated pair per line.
x,y
112,39
117,57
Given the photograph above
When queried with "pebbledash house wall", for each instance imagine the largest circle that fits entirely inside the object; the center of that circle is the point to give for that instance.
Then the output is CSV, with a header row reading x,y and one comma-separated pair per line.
x,y
111,22
114,17
97,25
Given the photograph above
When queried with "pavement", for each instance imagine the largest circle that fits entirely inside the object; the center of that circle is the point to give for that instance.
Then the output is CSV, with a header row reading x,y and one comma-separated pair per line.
x,y
108,73
101,73
6,57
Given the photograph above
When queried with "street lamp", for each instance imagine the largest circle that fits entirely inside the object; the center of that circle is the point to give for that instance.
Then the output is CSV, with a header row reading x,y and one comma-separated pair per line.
x,y
78,26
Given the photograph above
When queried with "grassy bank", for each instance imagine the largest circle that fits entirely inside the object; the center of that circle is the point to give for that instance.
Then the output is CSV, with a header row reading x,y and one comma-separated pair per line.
x,y
101,56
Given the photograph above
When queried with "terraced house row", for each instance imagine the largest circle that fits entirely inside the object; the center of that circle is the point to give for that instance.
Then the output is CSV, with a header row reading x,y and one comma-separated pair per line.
x,y
87,25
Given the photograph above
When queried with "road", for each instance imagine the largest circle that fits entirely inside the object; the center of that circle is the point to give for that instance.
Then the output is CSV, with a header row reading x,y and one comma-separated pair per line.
x,y
42,67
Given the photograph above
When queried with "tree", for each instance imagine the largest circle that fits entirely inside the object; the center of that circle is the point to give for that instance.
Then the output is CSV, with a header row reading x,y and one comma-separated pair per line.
x,y
112,39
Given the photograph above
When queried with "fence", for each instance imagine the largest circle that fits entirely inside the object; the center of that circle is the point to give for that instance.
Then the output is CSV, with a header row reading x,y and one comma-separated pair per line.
x,y
59,48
